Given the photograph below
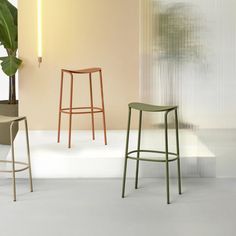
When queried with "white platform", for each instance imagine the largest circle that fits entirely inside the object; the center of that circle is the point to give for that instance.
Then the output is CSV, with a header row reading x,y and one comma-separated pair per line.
x,y
93,159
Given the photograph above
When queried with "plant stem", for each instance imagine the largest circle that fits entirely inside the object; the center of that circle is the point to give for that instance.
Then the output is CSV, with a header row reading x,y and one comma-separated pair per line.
x,y
12,89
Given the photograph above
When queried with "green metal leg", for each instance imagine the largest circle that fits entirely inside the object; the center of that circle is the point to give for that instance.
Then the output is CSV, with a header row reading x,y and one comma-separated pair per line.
x,y
167,160
13,163
126,153
177,148
28,153
138,148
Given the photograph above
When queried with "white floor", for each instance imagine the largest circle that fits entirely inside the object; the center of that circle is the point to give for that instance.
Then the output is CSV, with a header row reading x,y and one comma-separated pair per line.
x,y
89,207
94,207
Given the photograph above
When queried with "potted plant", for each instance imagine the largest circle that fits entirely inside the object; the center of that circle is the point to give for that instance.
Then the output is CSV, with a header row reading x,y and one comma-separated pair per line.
x,y
177,44
9,63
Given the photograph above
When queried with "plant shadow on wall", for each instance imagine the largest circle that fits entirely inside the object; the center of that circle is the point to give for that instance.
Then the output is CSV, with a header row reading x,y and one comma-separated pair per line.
x,y
9,63
177,44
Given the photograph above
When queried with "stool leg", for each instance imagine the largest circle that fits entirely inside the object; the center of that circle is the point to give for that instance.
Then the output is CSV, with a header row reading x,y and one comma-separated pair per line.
x,y
177,147
60,106
28,153
138,148
167,159
70,117
103,109
126,154
91,101
13,163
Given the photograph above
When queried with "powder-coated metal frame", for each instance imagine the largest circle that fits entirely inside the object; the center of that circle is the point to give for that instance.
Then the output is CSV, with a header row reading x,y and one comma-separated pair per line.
x,y
13,162
166,152
78,110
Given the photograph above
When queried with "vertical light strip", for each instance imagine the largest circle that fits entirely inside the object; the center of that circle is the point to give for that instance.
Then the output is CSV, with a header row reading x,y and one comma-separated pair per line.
x,y
40,49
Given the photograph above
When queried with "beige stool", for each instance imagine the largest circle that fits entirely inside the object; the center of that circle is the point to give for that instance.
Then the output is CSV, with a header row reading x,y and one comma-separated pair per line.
x,y
12,121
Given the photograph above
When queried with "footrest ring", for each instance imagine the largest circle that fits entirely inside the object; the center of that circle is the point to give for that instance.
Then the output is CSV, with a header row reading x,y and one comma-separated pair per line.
x,y
16,170
151,159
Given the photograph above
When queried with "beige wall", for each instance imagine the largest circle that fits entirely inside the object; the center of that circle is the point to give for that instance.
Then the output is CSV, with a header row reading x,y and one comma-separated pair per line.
x,y
79,34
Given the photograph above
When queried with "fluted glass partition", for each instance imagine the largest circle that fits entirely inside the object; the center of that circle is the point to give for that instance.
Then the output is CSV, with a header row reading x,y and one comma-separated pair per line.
x,y
187,58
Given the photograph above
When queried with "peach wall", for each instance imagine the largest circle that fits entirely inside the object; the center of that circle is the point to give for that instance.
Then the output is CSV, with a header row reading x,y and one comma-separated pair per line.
x,y
79,34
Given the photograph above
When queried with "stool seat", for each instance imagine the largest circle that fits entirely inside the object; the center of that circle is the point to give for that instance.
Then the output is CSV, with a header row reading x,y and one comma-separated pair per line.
x,y
84,71
9,119
150,108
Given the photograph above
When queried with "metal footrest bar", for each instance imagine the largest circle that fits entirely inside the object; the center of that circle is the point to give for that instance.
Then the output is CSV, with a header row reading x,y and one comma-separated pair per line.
x,y
151,159
16,170
92,110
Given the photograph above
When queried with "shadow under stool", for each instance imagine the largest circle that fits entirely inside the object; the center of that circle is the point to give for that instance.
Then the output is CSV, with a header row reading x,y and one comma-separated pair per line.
x,y
24,165
141,107
81,110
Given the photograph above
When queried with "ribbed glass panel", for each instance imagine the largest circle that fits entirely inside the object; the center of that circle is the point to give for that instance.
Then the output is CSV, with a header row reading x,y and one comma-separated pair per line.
x,y
188,59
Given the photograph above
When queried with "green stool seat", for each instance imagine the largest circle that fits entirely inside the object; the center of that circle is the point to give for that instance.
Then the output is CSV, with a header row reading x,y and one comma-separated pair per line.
x,y
150,108
173,156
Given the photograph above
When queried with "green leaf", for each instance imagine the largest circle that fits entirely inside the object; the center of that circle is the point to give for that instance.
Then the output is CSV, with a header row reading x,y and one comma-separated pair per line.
x,y
8,29
10,65
13,11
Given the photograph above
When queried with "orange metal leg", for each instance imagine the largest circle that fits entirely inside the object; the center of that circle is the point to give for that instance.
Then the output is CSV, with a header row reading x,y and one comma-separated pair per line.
x,y
103,109
91,100
60,106
71,100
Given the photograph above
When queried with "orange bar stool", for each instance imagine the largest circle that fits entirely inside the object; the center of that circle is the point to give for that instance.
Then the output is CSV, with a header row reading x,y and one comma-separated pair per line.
x,y
81,110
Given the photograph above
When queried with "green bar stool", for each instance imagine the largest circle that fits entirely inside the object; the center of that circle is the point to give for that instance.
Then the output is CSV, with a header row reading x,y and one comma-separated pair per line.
x,y
175,156
24,165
